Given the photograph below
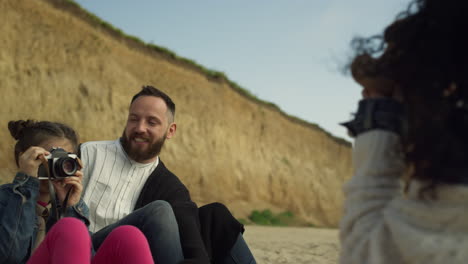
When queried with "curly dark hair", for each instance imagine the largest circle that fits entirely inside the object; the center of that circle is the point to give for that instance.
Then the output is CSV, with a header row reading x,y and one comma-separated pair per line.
x,y
32,133
425,53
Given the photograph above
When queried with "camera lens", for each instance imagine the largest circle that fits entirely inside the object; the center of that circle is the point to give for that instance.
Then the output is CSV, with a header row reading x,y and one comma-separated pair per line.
x,y
69,166
66,167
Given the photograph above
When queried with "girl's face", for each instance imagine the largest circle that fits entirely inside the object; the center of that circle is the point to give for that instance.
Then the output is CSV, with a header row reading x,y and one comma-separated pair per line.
x,y
57,143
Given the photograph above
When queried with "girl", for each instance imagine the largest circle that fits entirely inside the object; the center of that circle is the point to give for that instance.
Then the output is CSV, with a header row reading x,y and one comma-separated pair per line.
x,y
408,199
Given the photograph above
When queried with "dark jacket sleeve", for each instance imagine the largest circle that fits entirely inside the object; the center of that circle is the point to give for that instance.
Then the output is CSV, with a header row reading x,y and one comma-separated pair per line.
x,y
17,218
219,230
193,247
164,185
378,113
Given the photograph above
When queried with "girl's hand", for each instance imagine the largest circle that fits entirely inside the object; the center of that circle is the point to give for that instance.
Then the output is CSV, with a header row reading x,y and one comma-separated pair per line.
x,y
376,87
63,185
30,160
373,85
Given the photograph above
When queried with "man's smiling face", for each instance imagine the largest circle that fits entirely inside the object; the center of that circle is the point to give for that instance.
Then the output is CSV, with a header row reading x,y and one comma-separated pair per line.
x,y
147,128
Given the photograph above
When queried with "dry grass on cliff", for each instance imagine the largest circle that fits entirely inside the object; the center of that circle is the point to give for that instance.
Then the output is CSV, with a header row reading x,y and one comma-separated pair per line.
x,y
77,10
57,64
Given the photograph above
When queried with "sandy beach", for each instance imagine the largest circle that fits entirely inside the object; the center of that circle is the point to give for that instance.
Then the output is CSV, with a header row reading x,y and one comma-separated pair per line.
x,y
275,245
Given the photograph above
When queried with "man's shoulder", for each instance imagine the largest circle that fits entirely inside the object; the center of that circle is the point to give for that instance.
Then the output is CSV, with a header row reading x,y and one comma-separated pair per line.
x,y
162,169
97,144
167,176
164,185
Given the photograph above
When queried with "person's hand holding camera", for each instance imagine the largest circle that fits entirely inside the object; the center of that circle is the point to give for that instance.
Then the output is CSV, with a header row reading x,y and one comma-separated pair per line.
x,y
30,160
73,184
373,85
29,163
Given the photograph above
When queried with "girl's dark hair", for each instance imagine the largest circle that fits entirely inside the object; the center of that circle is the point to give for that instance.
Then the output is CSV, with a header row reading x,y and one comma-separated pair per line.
x,y
425,52
32,133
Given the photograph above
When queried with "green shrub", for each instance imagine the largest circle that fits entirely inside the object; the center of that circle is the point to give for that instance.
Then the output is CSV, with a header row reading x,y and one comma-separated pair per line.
x,y
266,217
243,221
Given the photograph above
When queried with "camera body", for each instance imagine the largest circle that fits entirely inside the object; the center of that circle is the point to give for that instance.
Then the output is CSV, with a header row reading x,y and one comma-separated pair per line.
x,y
61,164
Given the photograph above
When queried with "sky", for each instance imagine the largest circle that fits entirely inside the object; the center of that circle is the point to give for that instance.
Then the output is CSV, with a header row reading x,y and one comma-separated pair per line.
x,y
287,52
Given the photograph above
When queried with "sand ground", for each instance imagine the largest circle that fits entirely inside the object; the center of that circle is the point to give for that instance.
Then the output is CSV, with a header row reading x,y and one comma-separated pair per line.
x,y
275,245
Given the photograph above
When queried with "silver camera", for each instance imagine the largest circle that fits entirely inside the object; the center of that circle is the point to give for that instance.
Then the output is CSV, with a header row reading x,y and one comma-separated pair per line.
x,y
61,164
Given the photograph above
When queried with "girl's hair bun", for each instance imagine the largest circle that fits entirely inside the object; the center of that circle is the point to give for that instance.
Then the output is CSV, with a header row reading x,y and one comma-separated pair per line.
x,y
17,127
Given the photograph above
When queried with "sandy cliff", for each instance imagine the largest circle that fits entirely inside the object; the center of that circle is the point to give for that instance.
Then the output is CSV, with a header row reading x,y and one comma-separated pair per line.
x,y
57,63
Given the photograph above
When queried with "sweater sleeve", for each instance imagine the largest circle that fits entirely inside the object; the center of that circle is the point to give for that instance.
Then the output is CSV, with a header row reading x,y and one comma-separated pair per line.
x,y
378,163
164,185
186,213
17,218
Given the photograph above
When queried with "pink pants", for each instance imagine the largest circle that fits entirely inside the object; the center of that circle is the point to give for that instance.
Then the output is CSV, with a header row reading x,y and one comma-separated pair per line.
x,y
69,242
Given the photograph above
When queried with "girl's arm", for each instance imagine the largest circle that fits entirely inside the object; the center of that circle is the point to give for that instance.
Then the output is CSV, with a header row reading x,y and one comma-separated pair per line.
x,y
378,166
17,218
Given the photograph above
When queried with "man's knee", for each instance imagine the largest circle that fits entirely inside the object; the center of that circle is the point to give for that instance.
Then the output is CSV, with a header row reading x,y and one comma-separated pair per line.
x,y
216,207
159,206
215,211
160,213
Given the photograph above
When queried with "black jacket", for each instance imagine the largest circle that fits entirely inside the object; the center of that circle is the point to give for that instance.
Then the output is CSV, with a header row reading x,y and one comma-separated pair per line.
x,y
164,185
218,230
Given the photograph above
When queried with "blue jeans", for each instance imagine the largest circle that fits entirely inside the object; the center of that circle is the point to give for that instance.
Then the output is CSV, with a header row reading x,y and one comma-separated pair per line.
x,y
240,253
157,221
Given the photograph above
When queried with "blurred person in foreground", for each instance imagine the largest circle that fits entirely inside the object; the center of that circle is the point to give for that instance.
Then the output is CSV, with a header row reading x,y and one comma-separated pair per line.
x,y
408,199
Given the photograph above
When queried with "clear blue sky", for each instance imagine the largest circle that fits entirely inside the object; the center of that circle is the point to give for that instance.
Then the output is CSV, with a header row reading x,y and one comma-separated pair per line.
x,y
288,52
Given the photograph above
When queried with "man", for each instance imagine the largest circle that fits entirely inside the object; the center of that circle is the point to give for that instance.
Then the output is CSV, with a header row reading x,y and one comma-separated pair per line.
x,y
127,184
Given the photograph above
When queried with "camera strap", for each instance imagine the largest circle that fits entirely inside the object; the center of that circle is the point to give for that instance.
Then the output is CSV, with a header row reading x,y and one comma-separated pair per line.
x,y
57,208
53,200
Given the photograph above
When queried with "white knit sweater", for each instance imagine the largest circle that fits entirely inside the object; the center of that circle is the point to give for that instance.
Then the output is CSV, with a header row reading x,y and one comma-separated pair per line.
x,y
381,225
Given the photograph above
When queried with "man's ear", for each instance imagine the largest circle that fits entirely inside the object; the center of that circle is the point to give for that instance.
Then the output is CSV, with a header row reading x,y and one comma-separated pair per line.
x,y
171,130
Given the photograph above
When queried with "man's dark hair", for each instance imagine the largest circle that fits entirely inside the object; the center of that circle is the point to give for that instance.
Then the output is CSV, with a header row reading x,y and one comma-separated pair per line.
x,y
152,91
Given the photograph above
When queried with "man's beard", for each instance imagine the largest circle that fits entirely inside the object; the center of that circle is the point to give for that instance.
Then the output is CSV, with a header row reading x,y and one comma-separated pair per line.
x,y
140,155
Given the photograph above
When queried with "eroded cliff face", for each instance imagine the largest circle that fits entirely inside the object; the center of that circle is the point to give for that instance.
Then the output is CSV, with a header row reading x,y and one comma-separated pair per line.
x,y
57,64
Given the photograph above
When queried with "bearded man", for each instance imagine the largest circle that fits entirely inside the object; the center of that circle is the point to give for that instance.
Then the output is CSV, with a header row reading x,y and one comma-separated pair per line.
x,y
126,183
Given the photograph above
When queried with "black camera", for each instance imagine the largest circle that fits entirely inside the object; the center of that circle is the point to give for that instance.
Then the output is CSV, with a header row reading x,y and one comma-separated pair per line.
x,y
61,164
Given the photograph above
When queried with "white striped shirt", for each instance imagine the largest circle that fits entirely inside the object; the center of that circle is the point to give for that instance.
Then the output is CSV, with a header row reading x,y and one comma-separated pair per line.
x,y
112,181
